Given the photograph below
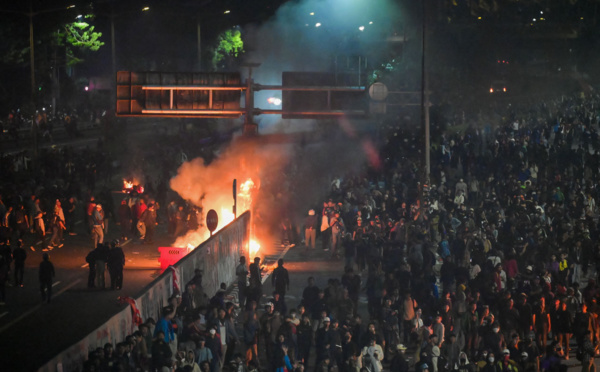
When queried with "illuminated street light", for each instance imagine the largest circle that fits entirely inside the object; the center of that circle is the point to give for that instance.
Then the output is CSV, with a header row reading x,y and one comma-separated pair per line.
x,y
145,9
312,13
361,28
371,22
71,7
318,24
274,101
227,12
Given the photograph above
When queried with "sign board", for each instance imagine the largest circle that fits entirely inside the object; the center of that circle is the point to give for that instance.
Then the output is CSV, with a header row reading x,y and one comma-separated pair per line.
x,y
178,94
212,220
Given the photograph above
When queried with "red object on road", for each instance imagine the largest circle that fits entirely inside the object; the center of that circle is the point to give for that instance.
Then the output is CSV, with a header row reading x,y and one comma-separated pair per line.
x,y
170,255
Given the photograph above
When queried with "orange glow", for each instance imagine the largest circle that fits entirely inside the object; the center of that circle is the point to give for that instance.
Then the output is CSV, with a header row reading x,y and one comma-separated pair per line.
x,y
132,185
225,212
253,249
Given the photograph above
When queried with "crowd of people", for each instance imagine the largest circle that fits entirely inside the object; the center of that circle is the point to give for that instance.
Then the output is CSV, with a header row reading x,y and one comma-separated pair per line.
x,y
491,265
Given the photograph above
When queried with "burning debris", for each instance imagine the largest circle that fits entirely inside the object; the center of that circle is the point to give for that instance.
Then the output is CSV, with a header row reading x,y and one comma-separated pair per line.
x,y
130,186
208,186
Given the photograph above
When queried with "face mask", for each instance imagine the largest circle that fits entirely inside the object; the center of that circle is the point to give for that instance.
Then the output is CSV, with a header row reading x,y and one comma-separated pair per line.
x,y
496,330
491,359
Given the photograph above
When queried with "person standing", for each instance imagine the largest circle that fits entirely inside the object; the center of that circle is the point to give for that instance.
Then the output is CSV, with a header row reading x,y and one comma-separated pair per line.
x,y
241,272
91,260
148,217
46,276
310,229
98,225
69,209
102,252
22,221
255,288
58,210
19,256
124,215
280,278
115,263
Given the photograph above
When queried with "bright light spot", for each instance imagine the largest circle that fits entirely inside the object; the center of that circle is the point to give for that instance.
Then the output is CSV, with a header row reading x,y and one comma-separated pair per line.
x,y
491,90
541,12
318,24
253,249
362,28
312,13
478,17
79,16
227,217
71,7
274,101
371,22
534,19
581,18
86,88
504,89
227,12
306,25
146,8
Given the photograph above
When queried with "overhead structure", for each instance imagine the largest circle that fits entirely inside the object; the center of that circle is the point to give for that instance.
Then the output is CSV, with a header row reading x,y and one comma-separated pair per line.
x,y
218,95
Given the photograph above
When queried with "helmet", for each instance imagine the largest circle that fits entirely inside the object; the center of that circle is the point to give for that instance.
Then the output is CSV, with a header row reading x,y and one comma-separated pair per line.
x,y
115,243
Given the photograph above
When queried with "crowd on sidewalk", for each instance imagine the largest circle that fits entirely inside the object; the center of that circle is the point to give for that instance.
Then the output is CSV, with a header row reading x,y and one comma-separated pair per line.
x,y
489,266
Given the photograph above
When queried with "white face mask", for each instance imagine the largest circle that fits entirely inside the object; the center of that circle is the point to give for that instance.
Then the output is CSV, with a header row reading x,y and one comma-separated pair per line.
x,y
491,359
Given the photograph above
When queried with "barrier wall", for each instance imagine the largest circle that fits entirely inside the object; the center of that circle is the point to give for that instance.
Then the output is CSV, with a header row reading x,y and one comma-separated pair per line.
x,y
217,258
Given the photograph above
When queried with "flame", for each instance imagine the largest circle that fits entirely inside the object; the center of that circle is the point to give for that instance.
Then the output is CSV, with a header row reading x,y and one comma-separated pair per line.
x,y
132,185
226,217
253,249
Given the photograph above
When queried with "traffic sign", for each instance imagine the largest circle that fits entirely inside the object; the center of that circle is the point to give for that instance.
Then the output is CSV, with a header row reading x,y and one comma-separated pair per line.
x,y
212,220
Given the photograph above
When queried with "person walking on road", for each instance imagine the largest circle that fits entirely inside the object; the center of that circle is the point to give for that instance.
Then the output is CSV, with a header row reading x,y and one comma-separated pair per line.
x,y
46,275
115,263
98,225
280,279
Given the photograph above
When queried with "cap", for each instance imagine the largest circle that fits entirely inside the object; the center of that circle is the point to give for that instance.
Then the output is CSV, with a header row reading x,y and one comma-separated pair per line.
x,y
401,347
327,319
212,331
505,351
529,268
524,355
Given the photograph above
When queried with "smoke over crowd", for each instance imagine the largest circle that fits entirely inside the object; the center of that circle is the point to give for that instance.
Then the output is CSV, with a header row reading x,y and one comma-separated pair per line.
x,y
289,179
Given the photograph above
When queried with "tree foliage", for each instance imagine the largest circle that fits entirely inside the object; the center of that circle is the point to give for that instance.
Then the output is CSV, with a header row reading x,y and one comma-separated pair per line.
x,y
230,46
78,35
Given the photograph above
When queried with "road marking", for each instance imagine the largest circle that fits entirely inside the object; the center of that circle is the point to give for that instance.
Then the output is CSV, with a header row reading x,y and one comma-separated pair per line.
x,y
86,265
55,284
4,313
30,311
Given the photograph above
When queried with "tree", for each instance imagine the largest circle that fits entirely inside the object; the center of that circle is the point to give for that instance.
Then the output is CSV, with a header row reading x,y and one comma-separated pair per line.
x,y
78,36
230,47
